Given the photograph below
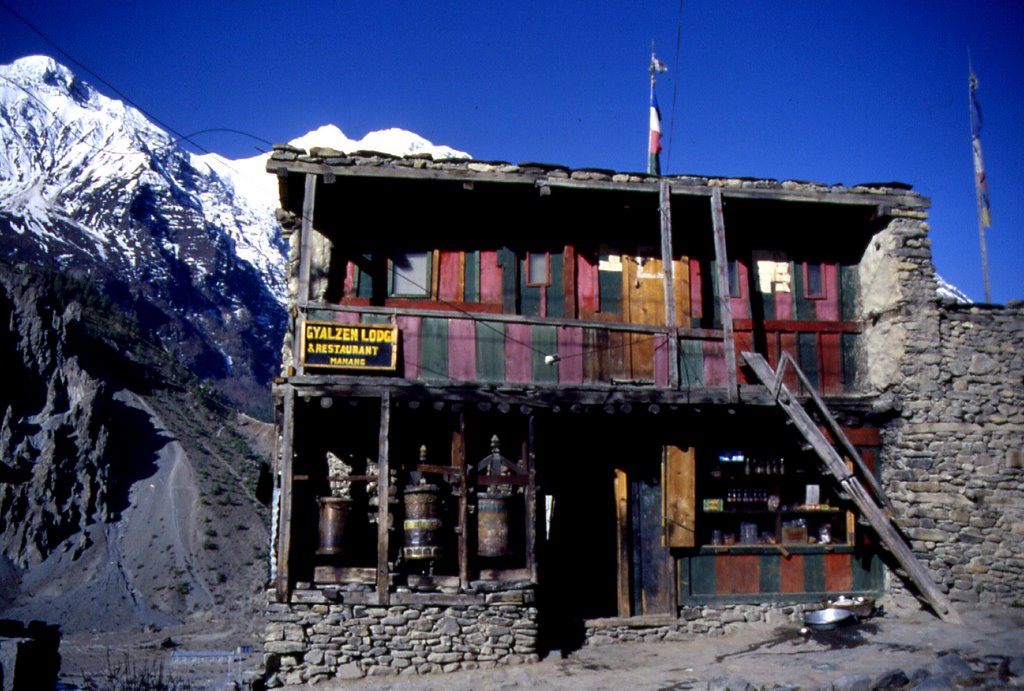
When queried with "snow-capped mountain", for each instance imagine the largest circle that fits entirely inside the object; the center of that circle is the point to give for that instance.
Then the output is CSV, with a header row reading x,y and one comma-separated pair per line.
x,y
90,185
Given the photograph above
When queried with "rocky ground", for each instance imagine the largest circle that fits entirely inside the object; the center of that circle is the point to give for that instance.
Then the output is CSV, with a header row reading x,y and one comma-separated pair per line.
x,y
903,648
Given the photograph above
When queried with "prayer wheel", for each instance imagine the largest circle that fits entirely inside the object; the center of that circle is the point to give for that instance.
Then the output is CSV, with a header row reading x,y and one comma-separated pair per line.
x,y
422,524
492,525
334,513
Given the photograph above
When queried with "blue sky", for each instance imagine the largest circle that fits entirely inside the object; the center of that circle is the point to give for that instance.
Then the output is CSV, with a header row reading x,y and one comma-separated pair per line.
x,y
835,92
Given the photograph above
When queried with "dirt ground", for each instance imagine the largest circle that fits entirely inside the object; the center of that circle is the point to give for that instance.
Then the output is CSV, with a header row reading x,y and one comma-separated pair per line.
x,y
763,655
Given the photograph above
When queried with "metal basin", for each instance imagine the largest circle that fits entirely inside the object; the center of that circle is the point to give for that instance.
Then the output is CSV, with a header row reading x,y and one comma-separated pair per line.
x,y
830,618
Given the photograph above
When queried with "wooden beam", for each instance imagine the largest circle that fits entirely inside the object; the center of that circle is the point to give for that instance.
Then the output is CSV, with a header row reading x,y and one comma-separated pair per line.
x,y
284,517
679,188
305,252
384,505
724,305
668,270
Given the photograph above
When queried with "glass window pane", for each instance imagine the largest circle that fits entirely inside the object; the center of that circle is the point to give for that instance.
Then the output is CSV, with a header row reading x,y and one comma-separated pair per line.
x,y
537,269
410,274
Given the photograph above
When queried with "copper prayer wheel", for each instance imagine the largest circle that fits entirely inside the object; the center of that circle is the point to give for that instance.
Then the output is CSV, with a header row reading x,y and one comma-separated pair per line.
x,y
492,525
334,513
422,524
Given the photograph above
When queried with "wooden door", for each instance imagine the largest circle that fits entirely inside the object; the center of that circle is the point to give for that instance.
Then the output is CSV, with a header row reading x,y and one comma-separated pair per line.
x,y
646,570
643,302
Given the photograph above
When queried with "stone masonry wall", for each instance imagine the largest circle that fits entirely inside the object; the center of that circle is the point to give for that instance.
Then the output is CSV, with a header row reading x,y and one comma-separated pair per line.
x,y
314,638
953,379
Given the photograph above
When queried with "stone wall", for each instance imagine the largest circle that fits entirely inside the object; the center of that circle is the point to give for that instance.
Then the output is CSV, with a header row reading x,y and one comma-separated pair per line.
x,y
952,450
716,620
315,637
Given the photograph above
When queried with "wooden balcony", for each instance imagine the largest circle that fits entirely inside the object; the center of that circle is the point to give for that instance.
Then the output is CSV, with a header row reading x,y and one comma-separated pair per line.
x,y
462,349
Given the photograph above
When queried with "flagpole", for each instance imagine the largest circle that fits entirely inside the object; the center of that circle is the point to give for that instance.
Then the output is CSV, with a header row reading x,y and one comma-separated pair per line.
x,y
654,134
980,181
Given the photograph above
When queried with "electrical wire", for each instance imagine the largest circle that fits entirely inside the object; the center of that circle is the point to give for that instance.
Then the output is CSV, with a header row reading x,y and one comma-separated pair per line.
x,y
675,90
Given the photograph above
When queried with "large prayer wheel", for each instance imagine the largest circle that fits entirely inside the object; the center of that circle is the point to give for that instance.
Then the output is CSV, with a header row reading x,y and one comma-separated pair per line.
x,y
492,525
422,524
334,514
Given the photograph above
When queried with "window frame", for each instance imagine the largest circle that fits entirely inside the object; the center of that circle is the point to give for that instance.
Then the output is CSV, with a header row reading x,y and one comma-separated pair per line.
x,y
528,279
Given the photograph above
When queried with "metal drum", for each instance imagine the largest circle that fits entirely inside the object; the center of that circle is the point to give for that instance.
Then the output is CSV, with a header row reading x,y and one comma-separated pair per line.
x,y
492,525
334,513
422,524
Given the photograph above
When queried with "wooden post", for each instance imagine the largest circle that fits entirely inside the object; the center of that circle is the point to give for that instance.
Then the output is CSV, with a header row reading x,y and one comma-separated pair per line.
x,y
305,250
668,270
529,459
623,593
384,507
459,461
284,517
724,304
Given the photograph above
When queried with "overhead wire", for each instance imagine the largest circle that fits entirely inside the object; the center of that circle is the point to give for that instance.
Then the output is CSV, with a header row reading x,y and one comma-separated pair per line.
x,y
675,89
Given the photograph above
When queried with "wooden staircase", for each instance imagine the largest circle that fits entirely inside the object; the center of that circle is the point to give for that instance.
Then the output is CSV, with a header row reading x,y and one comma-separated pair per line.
x,y
869,503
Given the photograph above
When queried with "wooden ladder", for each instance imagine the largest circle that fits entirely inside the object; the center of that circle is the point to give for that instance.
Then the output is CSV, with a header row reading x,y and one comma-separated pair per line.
x,y
867,503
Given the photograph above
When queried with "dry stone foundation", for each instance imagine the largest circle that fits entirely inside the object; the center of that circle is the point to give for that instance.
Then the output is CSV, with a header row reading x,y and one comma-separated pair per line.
x,y
316,638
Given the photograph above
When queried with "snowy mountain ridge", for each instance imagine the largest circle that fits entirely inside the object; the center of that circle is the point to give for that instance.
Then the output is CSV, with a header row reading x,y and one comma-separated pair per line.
x,y
89,185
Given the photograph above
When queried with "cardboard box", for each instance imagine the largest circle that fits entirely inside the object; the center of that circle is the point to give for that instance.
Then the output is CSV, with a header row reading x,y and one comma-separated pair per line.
x,y
794,535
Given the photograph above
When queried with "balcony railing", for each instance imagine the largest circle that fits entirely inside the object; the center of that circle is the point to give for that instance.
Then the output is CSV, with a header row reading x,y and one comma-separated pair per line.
x,y
515,350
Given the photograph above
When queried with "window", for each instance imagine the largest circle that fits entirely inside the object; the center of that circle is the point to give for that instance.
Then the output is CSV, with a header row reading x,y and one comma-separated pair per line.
x,y
410,274
538,269
814,282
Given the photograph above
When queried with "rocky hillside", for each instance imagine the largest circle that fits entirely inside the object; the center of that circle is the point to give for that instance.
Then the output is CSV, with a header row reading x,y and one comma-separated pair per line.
x,y
129,488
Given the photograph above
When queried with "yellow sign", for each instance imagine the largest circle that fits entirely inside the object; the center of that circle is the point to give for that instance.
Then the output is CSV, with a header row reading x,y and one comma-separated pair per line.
x,y
350,346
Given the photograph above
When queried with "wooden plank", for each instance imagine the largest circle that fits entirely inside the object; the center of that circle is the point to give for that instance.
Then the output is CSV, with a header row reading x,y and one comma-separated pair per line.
x,y
831,364
518,353
554,294
737,574
586,285
595,363
702,575
569,282
691,363
450,276
662,359
462,349
680,508
803,307
791,576
384,507
814,573
490,278
409,330
471,276
799,326
284,519
807,348
828,308
490,351
570,352
344,574
509,279
740,303
434,349
622,546
696,296
838,573
771,574
544,340
715,367
724,306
